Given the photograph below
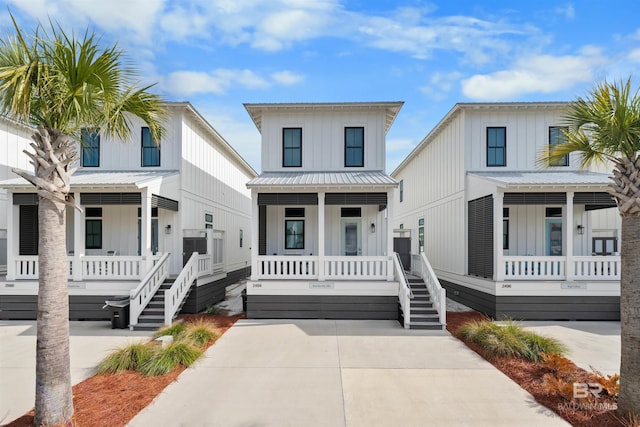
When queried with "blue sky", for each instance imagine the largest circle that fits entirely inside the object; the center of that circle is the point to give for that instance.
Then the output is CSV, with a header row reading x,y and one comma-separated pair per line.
x,y
219,54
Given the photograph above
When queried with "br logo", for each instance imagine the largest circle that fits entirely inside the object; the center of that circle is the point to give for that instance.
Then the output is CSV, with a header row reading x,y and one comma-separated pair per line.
x,y
583,390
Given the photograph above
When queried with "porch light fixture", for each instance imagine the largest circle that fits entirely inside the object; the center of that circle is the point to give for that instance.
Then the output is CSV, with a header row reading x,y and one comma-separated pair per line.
x,y
373,227
167,229
580,229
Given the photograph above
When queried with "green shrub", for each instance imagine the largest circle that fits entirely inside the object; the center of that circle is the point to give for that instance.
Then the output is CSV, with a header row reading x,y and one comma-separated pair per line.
x,y
130,357
200,333
164,360
175,330
509,340
213,309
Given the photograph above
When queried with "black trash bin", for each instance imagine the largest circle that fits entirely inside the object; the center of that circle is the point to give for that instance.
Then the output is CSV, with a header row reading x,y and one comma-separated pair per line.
x,y
119,311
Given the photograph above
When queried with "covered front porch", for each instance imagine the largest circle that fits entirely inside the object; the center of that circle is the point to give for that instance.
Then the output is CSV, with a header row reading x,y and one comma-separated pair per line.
x,y
543,226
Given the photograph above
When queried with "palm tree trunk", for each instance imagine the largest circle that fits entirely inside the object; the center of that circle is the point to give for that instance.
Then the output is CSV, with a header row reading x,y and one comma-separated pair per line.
x,y
629,399
53,371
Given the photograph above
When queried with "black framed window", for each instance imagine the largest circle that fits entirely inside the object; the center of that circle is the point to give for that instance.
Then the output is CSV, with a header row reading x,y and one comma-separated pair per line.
x,y
496,146
354,147
294,234
291,147
401,190
350,212
557,137
90,148
93,228
150,150
604,246
420,239
553,212
208,221
241,237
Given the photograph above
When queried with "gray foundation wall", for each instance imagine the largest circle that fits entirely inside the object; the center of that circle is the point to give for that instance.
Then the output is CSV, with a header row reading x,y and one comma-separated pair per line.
x,y
536,307
322,307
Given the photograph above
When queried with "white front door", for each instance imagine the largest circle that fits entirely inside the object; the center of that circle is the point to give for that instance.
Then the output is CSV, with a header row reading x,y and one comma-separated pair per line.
x,y
351,237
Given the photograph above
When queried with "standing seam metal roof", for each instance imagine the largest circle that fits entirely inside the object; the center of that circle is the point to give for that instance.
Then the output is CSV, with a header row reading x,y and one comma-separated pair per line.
x,y
366,178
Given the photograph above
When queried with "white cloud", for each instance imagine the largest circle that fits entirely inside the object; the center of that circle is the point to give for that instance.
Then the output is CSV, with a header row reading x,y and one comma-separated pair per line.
x,y
568,11
400,144
440,84
535,74
634,55
188,83
287,78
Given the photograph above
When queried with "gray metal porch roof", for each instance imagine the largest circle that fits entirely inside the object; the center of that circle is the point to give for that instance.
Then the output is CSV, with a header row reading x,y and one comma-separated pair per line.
x,y
323,179
101,178
544,178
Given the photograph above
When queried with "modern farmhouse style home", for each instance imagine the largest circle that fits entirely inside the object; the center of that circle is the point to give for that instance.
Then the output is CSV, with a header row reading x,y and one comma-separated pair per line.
x,y
175,209
505,234
322,238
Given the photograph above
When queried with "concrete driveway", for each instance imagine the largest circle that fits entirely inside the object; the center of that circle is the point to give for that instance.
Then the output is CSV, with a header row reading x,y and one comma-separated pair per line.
x,y
89,343
342,373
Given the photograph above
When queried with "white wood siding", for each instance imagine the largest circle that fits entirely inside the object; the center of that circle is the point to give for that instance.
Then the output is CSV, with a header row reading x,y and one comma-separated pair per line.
x,y
14,139
323,138
434,184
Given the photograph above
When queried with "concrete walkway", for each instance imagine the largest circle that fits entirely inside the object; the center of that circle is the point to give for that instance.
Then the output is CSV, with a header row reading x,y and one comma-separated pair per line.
x,y
89,343
342,373
591,344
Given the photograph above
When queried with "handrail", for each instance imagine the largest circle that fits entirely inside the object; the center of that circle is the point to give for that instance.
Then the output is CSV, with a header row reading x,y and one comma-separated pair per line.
x,y
436,291
404,290
174,296
142,294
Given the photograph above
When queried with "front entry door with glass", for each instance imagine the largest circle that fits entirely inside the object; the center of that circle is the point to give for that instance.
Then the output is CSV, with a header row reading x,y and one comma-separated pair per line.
x,y
351,237
554,237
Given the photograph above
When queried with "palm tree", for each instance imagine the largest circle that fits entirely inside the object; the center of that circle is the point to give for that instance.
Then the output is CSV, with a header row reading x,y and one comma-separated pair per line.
x,y
62,84
605,126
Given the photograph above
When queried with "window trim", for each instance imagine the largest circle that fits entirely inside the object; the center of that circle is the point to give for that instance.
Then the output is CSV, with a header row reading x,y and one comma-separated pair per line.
x,y
504,147
144,147
84,148
565,159
361,165
284,130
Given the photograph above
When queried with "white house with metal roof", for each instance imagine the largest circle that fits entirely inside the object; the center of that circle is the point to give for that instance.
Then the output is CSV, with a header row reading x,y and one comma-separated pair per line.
x,y
504,234
322,239
147,208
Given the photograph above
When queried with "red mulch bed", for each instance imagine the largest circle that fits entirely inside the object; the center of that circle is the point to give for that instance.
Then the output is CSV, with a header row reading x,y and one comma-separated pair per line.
x,y
529,375
113,400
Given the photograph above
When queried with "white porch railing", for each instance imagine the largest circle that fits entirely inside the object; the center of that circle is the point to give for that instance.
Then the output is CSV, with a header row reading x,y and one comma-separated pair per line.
x,y
287,267
561,268
404,291
26,267
142,294
421,267
596,267
111,267
179,289
356,267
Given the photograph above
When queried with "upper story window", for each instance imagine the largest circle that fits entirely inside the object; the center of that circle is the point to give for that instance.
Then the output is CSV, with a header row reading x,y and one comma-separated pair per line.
x,y
90,148
150,150
354,147
291,147
401,190
496,146
557,137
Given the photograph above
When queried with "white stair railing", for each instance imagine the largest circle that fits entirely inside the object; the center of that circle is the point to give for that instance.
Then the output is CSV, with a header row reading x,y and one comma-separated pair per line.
x,y
404,290
421,267
173,296
142,294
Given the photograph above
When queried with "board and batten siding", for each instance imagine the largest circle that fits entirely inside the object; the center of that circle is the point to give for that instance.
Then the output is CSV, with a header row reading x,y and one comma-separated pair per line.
x,y
323,138
214,182
527,133
434,183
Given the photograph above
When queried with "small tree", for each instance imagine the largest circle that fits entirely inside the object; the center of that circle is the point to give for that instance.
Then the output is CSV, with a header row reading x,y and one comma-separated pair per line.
x,y
62,84
605,126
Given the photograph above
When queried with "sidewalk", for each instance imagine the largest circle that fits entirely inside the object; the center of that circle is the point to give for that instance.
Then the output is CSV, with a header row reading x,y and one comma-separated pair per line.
x,y
342,373
89,342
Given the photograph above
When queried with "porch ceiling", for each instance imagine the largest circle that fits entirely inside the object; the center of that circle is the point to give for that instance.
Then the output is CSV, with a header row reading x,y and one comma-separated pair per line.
x,y
544,178
102,178
323,179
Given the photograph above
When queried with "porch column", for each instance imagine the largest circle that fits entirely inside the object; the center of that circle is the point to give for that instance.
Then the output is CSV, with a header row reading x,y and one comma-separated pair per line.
x,y
568,238
11,238
498,244
255,233
390,254
145,232
321,236
78,243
